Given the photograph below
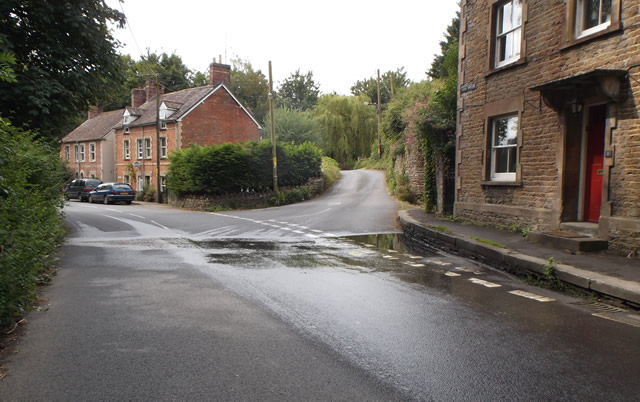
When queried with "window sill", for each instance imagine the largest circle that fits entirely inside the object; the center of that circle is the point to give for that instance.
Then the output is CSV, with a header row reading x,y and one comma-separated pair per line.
x,y
501,183
521,61
614,27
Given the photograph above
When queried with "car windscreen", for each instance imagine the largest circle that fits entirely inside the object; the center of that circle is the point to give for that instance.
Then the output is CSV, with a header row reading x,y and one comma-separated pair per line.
x,y
122,187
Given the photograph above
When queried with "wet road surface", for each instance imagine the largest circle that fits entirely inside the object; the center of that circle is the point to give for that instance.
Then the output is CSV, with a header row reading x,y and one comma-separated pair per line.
x,y
315,301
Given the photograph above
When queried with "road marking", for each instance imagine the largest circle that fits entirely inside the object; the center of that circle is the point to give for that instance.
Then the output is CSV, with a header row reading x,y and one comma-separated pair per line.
x,y
417,265
391,251
114,210
298,232
532,296
484,283
311,236
463,269
451,274
330,235
437,262
387,256
138,216
162,226
316,231
413,257
287,229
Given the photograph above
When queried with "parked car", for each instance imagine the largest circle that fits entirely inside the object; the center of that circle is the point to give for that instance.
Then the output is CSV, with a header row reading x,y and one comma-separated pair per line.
x,y
112,192
80,189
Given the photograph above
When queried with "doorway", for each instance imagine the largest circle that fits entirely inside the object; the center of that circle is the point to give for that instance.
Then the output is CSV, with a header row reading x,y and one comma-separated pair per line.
x,y
592,166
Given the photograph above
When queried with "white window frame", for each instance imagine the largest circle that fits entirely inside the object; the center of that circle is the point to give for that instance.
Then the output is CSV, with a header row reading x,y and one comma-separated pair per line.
x,y
126,178
75,153
92,152
81,153
581,6
67,153
147,148
512,36
163,147
139,148
126,149
503,176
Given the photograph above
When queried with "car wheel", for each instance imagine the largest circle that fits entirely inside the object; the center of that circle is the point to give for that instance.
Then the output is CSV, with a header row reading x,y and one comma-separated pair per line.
x,y
106,200
91,200
128,202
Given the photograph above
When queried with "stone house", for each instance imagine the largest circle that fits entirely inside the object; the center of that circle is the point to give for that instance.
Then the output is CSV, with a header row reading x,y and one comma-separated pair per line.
x,y
203,116
548,132
88,149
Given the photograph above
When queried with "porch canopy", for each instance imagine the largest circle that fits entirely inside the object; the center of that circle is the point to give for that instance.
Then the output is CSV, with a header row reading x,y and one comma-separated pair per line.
x,y
599,82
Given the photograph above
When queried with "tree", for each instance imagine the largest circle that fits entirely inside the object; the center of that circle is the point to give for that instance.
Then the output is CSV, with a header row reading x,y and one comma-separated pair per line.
x,y
391,79
65,60
298,92
394,118
250,87
295,126
171,72
348,125
438,70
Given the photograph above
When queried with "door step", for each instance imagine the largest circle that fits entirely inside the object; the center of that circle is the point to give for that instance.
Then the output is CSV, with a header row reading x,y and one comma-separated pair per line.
x,y
575,237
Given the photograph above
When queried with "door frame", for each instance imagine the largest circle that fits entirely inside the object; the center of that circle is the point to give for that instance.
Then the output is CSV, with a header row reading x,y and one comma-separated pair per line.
x,y
583,157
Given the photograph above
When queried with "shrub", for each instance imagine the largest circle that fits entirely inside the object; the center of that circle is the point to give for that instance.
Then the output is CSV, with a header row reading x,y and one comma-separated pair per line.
x,y
331,171
32,177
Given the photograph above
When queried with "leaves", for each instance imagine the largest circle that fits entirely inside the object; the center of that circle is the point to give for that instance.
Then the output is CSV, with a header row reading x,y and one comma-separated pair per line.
x,y
298,92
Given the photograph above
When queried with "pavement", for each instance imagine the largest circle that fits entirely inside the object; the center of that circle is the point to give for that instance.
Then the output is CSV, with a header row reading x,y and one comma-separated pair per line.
x,y
607,275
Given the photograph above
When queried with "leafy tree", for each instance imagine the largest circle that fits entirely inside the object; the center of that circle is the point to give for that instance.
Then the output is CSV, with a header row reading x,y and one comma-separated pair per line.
x,y
394,118
349,127
294,126
251,87
65,59
198,79
438,70
388,81
298,91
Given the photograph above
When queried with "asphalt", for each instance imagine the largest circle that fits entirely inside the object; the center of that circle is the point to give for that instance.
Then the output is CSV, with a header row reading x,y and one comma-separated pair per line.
x,y
604,274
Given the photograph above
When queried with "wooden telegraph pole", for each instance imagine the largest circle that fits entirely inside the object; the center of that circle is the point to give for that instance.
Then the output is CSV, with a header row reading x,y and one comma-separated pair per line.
x,y
158,178
378,110
273,133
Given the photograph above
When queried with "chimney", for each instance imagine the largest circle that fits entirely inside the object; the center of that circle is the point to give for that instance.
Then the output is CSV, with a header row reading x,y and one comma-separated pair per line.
x,y
150,88
219,74
138,96
93,111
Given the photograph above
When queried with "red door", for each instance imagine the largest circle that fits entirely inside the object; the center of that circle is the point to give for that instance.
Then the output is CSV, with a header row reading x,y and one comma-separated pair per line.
x,y
595,157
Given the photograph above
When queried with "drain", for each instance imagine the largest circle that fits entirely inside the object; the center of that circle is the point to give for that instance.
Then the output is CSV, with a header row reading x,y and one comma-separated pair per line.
x,y
600,307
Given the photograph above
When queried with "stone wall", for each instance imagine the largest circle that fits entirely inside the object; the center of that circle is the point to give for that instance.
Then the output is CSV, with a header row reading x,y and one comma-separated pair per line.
x,y
411,163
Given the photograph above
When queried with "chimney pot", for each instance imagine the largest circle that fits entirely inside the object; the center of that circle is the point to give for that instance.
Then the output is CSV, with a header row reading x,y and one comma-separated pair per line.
x,y
219,74
94,110
138,96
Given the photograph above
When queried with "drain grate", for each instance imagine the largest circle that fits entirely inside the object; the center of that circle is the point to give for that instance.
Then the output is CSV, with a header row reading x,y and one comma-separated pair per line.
x,y
600,307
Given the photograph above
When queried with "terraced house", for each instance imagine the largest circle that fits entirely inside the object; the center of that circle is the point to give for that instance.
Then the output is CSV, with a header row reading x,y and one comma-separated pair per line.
x,y
549,117
206,115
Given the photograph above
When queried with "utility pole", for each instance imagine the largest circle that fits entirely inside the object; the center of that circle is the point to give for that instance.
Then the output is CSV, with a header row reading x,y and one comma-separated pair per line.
x,y
378,110
158,178
273,133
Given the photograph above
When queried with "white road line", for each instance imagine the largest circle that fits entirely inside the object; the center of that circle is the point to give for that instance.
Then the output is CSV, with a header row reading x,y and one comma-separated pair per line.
x,y
441,263
315,213
413,257
532,296
463,269
113,210
298,232
138,216
451,274
316,231
156,223
391,251
330,235
311,236
417,265
484,283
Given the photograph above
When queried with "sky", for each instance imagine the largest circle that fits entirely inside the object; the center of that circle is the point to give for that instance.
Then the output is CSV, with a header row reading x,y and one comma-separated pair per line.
x,y
340,42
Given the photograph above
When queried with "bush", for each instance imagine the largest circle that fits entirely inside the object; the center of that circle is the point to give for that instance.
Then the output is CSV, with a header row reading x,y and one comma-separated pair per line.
x,y
32,177
331,171
229,168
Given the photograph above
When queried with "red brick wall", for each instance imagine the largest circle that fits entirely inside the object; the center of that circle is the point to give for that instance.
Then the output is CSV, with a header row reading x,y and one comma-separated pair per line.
x,y
219,120
87,167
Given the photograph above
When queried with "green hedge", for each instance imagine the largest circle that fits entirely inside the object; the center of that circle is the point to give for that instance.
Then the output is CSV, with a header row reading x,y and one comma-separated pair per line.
x,y
31,182
229,168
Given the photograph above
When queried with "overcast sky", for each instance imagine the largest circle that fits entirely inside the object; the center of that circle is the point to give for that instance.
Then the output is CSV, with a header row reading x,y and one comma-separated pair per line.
x,y
340,41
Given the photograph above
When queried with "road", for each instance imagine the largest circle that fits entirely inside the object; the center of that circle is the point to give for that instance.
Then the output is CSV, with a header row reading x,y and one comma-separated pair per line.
x,y
314,301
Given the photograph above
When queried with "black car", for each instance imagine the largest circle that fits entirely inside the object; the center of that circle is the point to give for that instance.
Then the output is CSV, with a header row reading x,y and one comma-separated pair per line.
x,y
112,192
80,188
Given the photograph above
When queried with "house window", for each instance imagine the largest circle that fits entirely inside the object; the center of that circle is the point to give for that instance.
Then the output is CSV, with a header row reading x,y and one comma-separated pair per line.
x,y
592,16
163,184
126,150
508,32
139,148
147,148
163,125
79,148
163,147
92,152
504,148
126,178
126,130
67,154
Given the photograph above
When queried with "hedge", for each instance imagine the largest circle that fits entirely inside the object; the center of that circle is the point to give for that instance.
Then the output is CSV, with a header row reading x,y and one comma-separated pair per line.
x,y
230,168
31,182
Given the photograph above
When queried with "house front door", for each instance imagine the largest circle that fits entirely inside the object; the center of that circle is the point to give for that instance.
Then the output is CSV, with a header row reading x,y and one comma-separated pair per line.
x,y
594,162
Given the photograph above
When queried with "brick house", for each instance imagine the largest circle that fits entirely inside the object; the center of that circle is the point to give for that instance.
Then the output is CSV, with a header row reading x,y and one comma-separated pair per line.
x,y
548,116
206,115
88,149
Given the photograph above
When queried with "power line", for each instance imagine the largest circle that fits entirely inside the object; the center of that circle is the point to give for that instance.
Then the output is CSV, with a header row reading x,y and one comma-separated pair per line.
x,y
134,39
